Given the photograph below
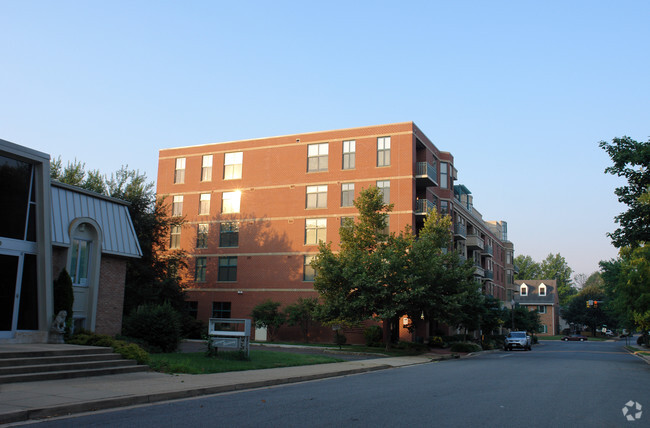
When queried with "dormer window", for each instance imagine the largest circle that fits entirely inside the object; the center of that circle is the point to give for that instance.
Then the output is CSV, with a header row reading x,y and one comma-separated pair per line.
x,y
542,290
523,290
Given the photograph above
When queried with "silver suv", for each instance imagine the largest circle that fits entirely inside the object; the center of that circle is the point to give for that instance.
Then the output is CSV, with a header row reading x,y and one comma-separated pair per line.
x,y
518,339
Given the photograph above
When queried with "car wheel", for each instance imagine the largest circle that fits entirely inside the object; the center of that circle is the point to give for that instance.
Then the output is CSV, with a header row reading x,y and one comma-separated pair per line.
x,y
565,339
582,340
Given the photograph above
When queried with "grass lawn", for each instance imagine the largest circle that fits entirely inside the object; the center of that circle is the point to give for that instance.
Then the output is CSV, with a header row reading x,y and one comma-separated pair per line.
x,y
198,363
393,352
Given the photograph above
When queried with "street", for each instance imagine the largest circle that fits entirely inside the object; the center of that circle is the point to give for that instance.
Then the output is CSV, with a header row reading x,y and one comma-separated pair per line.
x,y
557,384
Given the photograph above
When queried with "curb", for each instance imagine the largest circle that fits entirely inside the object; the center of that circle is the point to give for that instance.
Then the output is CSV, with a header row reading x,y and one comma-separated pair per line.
x,y
109,403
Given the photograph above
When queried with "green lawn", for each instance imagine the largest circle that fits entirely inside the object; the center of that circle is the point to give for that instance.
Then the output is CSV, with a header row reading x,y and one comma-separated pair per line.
x,y
198,363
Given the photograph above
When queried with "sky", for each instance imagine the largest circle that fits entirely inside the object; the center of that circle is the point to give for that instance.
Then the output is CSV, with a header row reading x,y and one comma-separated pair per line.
x,y
520,92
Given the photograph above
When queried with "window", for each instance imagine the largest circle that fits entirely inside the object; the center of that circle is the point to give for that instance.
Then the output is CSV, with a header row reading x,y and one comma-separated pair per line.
x,y
200,267
206,168
317,157
192,308
347,194
386,230
232,165
541,309
204,204
175,239
349,153
383,151
179,172
227,269
177,206
308,270
317,196
543,329
80,261
384,188
444,207
202,235
229,234
221,310
523,290
315,230
230,202
542,290
444,175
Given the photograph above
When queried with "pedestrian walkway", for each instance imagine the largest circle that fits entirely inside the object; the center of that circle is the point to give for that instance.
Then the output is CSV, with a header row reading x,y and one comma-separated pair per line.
x,y
36,400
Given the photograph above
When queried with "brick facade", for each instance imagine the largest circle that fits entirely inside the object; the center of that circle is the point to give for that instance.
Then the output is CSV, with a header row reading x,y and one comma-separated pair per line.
x,y
110,301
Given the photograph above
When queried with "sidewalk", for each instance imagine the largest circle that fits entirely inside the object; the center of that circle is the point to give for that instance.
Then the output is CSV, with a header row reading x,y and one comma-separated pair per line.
x,y
36,400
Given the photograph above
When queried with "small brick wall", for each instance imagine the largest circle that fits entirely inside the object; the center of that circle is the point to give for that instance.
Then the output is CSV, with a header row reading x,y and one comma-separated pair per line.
x,y
110,301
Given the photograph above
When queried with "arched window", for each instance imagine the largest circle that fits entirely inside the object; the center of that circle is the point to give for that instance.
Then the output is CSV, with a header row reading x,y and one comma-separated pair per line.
x,y
523,290
542,290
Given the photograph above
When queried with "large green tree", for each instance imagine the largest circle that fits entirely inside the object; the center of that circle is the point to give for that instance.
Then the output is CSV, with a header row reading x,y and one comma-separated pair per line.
x,y
596,316
630,160
527,267
554,266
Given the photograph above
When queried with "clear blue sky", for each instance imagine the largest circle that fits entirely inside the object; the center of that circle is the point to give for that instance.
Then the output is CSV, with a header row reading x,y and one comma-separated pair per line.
x,y
520,92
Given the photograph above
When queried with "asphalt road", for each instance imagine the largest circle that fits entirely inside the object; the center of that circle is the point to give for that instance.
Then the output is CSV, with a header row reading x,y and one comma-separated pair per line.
x,y
557,384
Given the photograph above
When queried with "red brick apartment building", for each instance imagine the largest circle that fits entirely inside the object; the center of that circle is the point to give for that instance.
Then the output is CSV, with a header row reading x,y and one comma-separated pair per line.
x,y
541,295
256,209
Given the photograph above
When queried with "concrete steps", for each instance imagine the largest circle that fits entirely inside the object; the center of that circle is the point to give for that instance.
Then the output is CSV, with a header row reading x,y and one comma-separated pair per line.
x,y
72,362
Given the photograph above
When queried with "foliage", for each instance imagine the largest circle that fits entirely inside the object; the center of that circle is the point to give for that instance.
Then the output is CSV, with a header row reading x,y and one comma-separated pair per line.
x,y
381,276
630,160
158,326
373,335
435,342
528,268
339,338
74,173
302,313
63,296
525,320
267,315
465,347
130,351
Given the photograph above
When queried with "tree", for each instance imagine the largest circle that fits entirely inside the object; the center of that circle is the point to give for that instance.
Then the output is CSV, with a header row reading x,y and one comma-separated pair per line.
x,y
302,313
555,267
630,160
74,174
524,319
528,268
267,315
577,312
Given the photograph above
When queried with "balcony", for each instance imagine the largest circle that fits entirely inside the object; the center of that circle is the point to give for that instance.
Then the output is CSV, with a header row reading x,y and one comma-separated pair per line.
x,y
479,271
460,231
488,251
489,274
474,242
423,206
426,174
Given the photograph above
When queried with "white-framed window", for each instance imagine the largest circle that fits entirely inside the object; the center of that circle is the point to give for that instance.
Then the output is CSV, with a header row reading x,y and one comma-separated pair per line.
x,y
315,230
200,267
232,165
175,238
80,264
384,188
543,328
317,157
206,168
523,290
383,151
308,273
542,290
177,206
230,202
204,204
317,196
179,171
349,154
347,194
541,309
202,235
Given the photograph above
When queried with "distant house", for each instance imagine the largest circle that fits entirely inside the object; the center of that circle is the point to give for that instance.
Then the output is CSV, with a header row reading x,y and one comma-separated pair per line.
x,y
46,227
540,295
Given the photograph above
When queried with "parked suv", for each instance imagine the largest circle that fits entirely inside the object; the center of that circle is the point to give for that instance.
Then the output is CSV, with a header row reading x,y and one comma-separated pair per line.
x,y
518,339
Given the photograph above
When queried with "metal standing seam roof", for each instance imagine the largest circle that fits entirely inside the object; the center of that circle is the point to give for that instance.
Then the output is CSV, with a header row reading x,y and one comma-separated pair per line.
x,y
112,215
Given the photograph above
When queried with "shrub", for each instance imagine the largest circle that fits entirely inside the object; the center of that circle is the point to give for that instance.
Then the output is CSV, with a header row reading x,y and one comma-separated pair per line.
x,y
267,315
436,342
157,325
374,335
412,346
129,351
192,328
339,338
465,347
63,296
498,339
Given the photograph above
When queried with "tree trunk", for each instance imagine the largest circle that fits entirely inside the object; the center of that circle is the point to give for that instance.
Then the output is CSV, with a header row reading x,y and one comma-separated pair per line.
x,y
386,330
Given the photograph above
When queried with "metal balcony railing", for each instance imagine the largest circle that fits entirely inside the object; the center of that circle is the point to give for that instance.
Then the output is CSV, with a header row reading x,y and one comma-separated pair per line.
x,y
460,230
423,206
425,169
